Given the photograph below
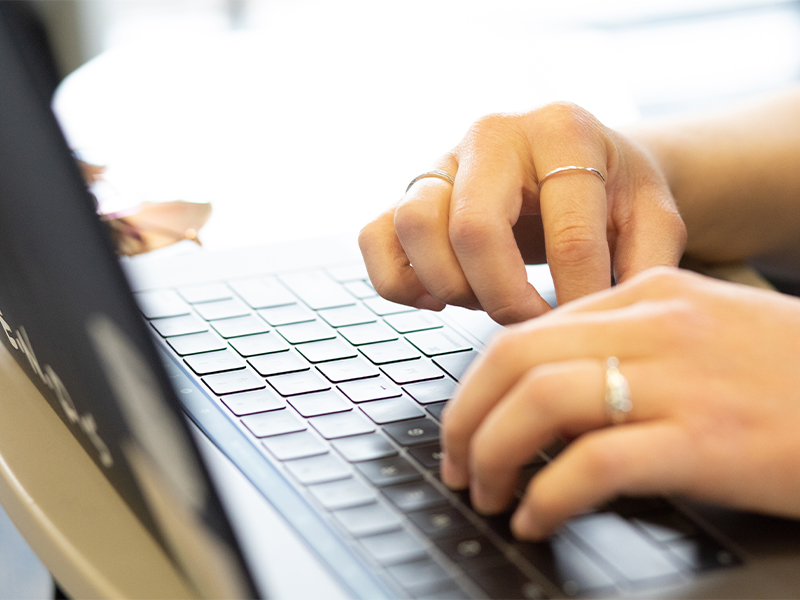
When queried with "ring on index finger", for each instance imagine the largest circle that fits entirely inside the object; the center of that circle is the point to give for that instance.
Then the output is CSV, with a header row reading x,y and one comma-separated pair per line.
x,y
437,173
618,393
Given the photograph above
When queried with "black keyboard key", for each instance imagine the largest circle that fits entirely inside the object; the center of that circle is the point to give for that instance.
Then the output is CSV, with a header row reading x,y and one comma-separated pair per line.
x,y
504,580
196,343
390,411
419,576
420,320
436,409
278,363
165,303
370,333
276,422
182,325
239,326
456,364
301,333
262,343
205,293
248,403
341,425
623,547
286,315
347,315
382,307
411,371
321,403
263,293
438,341
388,471
368,520
416,495
393,547
214,362
440,521
427,392
665,527
336,349
363,447
378,388
416,431
350,369
468,545
389,352
294,445
702,553
317,289
303,382
343,494
222,309
318,469
233,382
429,456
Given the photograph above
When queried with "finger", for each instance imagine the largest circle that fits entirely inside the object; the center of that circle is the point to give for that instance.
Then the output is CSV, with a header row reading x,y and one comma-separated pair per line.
x,y
487,200
634,460
421,223
388,266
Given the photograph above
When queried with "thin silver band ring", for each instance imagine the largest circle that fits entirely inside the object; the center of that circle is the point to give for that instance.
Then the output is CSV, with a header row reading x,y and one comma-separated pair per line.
x,y
569,168
618,393
438,173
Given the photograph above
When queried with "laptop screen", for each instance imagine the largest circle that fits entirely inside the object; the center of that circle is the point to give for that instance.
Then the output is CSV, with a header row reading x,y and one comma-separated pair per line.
x,y
70,320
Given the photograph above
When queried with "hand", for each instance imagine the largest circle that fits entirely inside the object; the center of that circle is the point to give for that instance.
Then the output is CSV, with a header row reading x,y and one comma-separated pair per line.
x,y
714,378
460,240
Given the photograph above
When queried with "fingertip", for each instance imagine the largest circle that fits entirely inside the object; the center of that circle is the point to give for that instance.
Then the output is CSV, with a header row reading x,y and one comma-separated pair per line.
x,y
525,526
453,476
428,302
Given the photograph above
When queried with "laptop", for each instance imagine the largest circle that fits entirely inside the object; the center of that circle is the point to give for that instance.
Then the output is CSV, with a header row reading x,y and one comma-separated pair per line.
x,y
277,373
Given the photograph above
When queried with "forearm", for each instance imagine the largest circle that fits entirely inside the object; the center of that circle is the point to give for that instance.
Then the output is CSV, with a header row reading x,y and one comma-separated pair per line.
x,y
735,176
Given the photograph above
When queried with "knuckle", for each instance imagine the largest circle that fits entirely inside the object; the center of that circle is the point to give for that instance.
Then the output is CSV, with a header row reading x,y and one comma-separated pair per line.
x,y
568,118
410,220
602,461
508,313
573,242
469,229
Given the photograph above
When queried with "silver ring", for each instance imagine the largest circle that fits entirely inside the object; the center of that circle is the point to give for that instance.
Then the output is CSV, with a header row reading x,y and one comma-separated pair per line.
x,y
569,168
438,173
618,393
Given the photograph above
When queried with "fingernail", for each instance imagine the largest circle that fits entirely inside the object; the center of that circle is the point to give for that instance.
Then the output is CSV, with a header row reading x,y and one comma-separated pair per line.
x,y
524,526
428,302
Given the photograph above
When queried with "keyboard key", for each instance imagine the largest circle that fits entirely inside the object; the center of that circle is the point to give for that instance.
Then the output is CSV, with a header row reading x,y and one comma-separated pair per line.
x,y
363,447
239,326
336,349
438,341
262,343
436,409
349,272
165,303
278,363
182,325
665,527
360,289
456,365
431,391
322,403
389,411
313,331
222,309
382,307
703,553
318,469
440,521
413,496
205,293
263,293
349,369
413,321
389,352
429,456
504,580
418,575
233,382
467,546
304,382
214,362
342,494
317,289
394,547
341,425
370,333
196,343
388,471
416,431
378,388
247,403
294,445
622,546
286,315
347,315
276,422
411,371
368,520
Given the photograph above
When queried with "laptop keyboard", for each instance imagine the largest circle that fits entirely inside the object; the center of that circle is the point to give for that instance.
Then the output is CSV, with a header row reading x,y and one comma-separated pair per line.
x,y
344,391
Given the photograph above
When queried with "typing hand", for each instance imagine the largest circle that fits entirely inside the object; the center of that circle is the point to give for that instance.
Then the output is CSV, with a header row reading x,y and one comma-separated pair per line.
x,y
459,237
